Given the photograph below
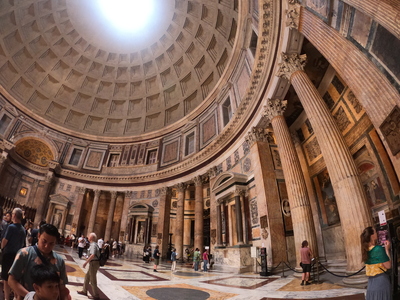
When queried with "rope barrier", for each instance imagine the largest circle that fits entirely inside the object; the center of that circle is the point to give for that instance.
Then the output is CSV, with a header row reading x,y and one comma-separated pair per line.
x,y
274,268
294,270
291,268
345,276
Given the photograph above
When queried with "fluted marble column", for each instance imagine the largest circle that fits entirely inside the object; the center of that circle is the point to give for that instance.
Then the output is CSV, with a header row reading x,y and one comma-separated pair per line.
x,y
198,213
238,215
303,225
180,219
80,190
93,213
110,216
42,194
223,224
219,226
349,193
163,222
123,234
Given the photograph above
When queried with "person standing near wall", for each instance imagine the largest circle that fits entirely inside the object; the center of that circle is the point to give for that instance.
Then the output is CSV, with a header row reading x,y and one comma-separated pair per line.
x,y
156,256
196,259
81,245
173,259
305,255
205,260
377,262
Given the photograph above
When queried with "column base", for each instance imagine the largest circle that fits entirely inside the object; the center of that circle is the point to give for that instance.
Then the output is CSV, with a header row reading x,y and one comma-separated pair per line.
x,y
356,281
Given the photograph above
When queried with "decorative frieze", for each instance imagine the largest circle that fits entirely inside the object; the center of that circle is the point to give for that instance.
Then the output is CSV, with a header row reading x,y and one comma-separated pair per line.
x,y
293,14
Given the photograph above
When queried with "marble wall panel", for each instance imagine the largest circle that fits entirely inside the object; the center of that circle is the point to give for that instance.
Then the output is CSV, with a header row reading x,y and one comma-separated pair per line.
x,y
237,258
334,242
94,159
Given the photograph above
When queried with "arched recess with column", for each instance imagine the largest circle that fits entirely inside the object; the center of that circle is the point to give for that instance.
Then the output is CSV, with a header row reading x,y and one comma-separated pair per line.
x,y
140,221
57,212
28,174
233,229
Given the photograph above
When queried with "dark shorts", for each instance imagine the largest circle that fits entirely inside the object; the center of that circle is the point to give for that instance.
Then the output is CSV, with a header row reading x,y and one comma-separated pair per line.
x,y
156,261
8,259
306,268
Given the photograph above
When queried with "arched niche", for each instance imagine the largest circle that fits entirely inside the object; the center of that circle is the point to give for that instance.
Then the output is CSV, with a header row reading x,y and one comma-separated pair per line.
x,y
35,151
58,211
139,224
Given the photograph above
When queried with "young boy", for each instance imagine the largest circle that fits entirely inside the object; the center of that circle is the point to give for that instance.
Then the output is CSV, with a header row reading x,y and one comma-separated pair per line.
x,y
45,282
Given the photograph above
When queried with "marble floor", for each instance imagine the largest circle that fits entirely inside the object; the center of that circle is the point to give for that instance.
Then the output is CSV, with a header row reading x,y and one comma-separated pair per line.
x,y
122,279
125,279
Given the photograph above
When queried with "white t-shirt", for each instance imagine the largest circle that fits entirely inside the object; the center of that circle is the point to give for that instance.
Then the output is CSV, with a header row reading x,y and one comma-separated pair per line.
x,y
29,296
100,243
82,242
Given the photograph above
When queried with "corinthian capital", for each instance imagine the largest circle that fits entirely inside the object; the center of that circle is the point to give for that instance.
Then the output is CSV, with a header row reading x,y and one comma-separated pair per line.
x,y
257,134
80,190
180,187
291,63
274,108
212,172
113,194
97,193
198,180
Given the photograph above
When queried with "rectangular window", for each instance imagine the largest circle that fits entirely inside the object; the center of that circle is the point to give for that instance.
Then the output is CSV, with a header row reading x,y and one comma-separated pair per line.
x,y
75,157
227,111
189,144
253,43
4,123
113,161
152,157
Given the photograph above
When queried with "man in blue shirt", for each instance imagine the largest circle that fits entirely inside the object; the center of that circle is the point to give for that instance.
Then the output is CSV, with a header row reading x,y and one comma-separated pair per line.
x,y
14,239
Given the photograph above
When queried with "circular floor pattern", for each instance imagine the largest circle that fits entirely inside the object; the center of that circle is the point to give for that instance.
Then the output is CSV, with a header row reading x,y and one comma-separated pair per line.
x,y
189,274
69,269
110,264
177,293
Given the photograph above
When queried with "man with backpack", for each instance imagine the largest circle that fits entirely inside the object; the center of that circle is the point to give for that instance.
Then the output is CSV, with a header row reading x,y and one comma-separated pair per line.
x,y
94,264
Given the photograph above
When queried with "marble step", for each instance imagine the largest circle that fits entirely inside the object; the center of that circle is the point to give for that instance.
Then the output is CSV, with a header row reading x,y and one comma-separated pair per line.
x,y
336,266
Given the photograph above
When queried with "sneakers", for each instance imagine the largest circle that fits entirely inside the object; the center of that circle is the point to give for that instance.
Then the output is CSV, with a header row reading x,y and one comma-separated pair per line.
x,y
308,283
155,270
302,283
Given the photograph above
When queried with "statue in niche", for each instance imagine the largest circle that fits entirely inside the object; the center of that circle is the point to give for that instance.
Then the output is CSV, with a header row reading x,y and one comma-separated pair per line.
x,y
140,236
57,219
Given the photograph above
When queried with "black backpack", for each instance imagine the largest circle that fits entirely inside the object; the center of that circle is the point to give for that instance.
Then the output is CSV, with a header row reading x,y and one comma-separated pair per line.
x,y
102,259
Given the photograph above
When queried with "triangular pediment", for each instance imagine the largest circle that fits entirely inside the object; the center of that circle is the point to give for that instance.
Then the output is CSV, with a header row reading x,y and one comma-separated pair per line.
x,y
59,199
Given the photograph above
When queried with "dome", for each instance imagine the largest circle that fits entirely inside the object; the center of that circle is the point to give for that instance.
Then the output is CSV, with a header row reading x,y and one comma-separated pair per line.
x,y
62,62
